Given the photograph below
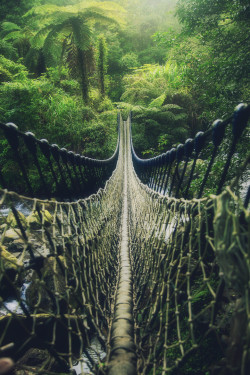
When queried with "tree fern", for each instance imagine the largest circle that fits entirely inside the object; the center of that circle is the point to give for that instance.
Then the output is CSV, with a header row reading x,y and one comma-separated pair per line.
x,y
11,32
60,25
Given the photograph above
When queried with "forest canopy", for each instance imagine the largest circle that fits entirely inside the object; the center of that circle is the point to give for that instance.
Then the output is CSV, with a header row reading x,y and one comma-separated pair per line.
x,y
66,65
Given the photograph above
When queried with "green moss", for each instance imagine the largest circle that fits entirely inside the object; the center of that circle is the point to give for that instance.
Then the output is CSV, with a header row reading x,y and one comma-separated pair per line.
x,y
11,220
8,261
35,222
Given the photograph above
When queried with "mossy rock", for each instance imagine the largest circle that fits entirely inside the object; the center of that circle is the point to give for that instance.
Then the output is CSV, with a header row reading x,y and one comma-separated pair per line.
x,y
12,235
11,220
38,358
8,261
52,279
35,222
9,269
16,246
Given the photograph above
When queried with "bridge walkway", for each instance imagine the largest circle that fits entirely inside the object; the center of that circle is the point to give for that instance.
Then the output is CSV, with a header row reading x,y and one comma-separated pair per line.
x,y
134,254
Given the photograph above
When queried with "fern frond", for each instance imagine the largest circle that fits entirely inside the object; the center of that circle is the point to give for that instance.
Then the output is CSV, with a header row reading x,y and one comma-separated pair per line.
x,y
41,11
109,9
71,58
52,47
171,107
38,40
158,101
9,26
82,33
13,35
53,33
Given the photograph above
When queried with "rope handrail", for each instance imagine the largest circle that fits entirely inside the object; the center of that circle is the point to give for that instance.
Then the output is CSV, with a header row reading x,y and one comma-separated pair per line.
x,y
190,260
40,169
173,172
66,255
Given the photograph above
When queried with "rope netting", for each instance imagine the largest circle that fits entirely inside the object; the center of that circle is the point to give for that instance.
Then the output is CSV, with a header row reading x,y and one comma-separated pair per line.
x,y
191,267
58,269
63,274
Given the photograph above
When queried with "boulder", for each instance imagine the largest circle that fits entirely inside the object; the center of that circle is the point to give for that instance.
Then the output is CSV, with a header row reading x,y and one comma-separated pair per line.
x,y
11,220
11,235
34,221
36,359
10,267
16,246
8,260
52,279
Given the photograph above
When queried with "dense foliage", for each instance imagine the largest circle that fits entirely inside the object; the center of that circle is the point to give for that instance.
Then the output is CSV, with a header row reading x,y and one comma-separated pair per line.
x,y
65,65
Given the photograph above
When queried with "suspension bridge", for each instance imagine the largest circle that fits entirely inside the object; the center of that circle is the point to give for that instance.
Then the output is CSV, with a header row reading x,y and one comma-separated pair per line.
x,y
126,266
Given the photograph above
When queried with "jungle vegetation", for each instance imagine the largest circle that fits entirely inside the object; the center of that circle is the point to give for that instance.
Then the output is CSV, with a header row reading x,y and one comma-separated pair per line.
x,y
66,65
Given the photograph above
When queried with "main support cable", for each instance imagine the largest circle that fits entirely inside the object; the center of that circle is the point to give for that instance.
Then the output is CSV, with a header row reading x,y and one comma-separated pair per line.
x,y
122,354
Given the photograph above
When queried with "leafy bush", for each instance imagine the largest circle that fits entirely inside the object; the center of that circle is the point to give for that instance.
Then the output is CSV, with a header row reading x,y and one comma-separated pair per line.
x,y
10,70
150,125
8,50
45,108
129,61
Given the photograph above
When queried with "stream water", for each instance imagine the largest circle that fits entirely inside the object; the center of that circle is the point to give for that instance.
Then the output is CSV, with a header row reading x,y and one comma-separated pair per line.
x,y
95,351
12,305
21,207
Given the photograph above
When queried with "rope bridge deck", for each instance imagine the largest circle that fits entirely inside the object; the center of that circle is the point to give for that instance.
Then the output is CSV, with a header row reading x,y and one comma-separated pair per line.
x,y
150,274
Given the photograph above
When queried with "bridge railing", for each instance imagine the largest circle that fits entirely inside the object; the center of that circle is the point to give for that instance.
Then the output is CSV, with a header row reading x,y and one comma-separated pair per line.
x,y
58,259
190,258
202,165
35,168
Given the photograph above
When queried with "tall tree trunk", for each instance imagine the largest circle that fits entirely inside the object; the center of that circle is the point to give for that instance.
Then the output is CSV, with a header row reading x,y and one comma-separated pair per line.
x,y
84,74
102,63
